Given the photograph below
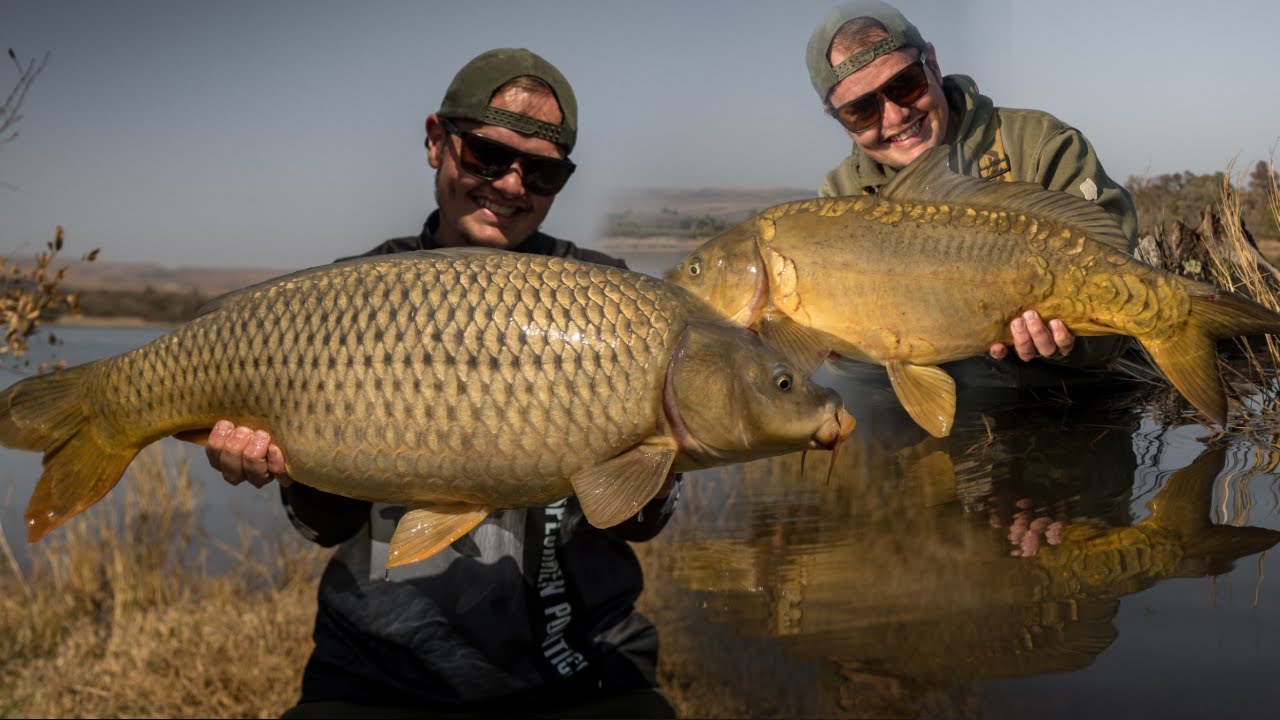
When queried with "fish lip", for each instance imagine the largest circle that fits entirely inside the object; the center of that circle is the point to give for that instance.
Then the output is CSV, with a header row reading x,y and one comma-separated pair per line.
x,y
834,431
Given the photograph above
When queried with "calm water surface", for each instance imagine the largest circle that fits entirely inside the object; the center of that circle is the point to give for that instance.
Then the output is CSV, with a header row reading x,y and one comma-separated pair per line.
x,y
883,582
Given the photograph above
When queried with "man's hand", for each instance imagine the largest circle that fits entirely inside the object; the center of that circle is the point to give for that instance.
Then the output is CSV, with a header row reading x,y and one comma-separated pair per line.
x,y
241,454
1032,338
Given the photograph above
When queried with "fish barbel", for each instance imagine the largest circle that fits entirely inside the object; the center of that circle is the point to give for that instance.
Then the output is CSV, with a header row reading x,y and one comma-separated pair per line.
x,y
935,268
454,382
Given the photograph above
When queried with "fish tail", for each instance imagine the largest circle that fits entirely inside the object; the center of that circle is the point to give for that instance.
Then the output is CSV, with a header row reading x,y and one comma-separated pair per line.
x,y
46,413
1189,357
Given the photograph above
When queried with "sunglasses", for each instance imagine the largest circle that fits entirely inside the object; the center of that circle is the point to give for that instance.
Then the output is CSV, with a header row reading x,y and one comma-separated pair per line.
x,y
489,160
863,112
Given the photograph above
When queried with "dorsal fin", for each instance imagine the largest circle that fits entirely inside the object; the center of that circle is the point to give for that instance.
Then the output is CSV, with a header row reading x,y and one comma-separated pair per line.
x,y
929,179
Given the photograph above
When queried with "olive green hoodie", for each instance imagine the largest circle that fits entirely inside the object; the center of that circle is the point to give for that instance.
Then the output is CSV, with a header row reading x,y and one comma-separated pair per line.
x,y
1004,144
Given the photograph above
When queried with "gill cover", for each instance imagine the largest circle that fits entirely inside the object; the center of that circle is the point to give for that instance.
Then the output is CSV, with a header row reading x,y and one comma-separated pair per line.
x,y
728,272
735,398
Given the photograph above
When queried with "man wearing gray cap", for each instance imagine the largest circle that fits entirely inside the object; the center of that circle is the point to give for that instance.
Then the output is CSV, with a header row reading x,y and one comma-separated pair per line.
x,y
532,612
876,75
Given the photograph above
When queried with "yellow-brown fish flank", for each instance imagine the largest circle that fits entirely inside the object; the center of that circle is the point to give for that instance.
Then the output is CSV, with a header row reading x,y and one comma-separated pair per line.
x,y
422,332
452,381
935,267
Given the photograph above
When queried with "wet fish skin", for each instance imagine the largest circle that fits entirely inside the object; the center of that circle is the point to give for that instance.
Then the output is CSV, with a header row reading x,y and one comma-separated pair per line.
x,y
936,267
455,382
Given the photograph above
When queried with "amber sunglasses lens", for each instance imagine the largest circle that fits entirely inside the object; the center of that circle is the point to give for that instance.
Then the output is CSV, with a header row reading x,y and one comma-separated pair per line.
x,y
863,113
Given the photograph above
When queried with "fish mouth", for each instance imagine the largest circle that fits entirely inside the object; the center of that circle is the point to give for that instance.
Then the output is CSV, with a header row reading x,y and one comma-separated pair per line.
x,y
834,430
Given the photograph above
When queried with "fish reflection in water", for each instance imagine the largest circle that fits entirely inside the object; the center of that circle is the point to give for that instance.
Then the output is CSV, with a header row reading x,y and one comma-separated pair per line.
x,y
895,578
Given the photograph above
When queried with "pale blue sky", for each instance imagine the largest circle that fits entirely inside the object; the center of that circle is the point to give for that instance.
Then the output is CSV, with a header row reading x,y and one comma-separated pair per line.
x,y
283,134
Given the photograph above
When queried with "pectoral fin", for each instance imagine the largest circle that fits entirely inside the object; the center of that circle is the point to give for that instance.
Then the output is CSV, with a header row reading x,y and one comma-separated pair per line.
x,y
804,347
618,488
422,532
927,392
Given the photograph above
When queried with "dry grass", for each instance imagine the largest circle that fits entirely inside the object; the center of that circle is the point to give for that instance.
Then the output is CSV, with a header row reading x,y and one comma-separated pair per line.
x,y
1236,263
119,614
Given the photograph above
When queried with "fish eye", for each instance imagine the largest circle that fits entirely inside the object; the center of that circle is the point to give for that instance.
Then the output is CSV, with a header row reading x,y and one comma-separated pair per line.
x,y
784,380
695,267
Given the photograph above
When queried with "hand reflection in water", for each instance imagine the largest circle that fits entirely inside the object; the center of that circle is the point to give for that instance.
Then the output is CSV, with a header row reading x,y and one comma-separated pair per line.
x,y
1030,524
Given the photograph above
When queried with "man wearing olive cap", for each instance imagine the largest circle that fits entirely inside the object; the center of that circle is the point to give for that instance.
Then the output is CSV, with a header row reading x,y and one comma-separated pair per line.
x,y
878,77
532,612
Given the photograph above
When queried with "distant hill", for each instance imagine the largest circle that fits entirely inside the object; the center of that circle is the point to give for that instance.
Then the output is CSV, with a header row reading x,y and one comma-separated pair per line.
x,y
118,276
132,293
728,203
664,219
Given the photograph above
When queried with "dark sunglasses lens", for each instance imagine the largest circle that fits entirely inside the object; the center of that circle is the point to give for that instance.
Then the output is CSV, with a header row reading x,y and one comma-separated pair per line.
x,y
907,86
488,159
485,158
546,177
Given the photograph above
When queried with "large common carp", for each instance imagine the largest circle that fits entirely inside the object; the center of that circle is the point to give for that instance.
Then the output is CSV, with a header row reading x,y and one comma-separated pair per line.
x,y
934,269
454,382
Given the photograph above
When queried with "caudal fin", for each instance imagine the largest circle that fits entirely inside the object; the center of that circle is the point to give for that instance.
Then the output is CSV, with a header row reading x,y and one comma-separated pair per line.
x,y
1190,359
46,413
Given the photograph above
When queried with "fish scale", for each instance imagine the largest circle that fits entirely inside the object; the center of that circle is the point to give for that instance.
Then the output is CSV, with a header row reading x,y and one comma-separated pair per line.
x,y
454,382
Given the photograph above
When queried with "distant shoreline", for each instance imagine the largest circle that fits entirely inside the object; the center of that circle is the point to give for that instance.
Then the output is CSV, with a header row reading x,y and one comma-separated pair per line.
x,y
649,244
106,321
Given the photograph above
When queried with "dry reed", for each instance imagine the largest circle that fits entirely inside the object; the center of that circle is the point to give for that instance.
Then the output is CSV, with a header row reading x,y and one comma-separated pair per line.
x,y
122,615
1237,264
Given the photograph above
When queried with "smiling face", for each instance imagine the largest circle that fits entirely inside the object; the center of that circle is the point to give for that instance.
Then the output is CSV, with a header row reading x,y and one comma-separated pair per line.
x,y
904,133
499,213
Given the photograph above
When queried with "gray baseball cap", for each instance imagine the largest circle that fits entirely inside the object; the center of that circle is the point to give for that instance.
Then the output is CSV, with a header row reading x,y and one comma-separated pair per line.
x,y
469,94
901,34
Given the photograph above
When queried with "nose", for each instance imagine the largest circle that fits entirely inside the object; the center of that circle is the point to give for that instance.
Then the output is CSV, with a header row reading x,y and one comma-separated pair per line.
x,y
893,114
511,182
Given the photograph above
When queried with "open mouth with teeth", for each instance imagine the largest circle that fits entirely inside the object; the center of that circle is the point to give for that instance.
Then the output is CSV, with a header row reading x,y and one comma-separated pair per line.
x,y
498,209
909,133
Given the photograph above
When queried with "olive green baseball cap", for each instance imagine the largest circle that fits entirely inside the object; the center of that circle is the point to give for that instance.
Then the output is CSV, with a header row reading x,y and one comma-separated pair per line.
x,y
901,34
469,94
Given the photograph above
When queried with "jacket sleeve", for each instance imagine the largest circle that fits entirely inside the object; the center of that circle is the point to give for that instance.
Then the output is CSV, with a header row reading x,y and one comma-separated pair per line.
x,y
323,518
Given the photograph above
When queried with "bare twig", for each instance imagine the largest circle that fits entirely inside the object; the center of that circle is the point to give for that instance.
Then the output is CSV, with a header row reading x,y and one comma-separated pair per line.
x,y
10,112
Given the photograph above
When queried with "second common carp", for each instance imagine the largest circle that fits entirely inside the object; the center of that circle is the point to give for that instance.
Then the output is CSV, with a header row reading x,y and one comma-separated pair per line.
x,y
454,382
934,269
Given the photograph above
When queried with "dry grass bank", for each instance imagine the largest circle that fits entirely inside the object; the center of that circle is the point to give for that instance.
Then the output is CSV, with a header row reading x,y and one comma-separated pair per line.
x,y
119,615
